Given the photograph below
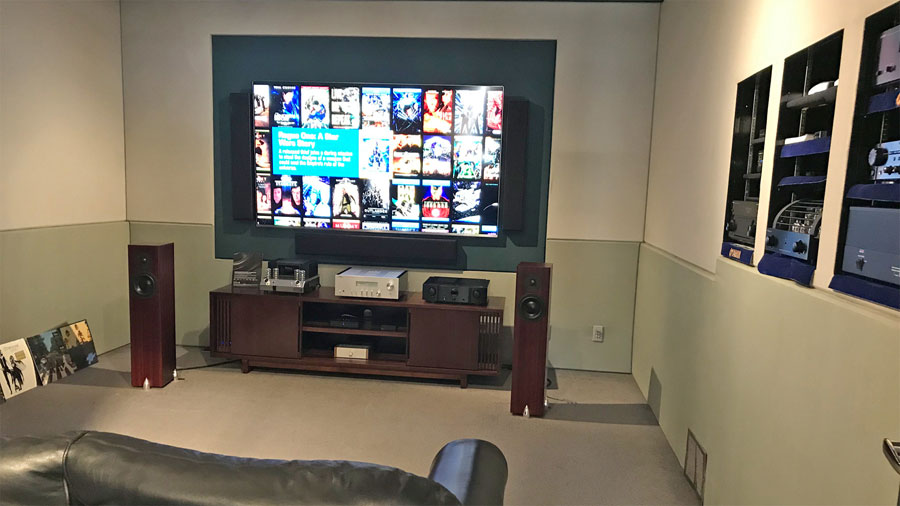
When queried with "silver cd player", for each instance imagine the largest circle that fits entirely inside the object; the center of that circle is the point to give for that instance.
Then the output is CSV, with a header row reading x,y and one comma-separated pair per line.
x,y
370,283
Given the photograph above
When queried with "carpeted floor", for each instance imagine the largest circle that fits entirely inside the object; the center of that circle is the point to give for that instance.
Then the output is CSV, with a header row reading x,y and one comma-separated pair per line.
x,y
599,444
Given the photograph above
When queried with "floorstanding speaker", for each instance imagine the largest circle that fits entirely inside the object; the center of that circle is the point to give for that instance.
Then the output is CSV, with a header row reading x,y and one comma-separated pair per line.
x,y
151,297
530,337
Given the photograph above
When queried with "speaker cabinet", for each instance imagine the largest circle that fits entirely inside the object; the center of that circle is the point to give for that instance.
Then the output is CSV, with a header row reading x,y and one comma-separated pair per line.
x,y
515,148
530,337
151,297
242,179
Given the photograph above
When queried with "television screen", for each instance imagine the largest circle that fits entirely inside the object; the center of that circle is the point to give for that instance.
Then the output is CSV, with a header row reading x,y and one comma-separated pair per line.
x,y
378,157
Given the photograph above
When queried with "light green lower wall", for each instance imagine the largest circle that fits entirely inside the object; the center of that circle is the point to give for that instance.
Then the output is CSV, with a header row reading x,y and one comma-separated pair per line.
x,y
593,283
53,275
790,390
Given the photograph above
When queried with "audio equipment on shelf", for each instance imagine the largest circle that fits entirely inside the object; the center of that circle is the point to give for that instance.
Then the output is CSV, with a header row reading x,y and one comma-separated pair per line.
x,y
884,159
356,351
151,274
370,283
888,57
456,290
872,249
796,229
290,275
742,226
530,336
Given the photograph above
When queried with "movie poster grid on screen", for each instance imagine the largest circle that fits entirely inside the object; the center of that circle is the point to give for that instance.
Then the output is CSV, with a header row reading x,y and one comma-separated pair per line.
x,y
392,158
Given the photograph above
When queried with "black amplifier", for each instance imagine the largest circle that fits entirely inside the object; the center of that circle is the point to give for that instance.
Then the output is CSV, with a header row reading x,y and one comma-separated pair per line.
x,y
288,266
456,291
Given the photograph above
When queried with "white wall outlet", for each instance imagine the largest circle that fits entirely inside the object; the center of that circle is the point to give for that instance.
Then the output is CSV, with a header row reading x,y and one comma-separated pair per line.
x,y
598,334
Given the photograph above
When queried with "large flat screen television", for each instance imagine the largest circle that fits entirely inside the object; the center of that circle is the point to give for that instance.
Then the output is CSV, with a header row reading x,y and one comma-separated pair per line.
x,y
378,157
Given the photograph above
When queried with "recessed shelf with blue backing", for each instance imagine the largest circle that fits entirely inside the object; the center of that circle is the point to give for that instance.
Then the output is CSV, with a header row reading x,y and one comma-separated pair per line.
x,y
884,192
868,247
883,102
801,181
798,172
744,172
738,252
875,292
806,148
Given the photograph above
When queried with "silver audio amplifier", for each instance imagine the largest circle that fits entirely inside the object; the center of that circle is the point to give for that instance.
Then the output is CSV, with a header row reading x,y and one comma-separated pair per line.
x,y
873,244
370,283
742,226
885,161
795,231
888,57
299,283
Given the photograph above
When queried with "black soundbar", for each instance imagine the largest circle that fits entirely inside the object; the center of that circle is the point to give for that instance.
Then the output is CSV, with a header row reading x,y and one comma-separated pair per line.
x,y
377,249
242,181
515,145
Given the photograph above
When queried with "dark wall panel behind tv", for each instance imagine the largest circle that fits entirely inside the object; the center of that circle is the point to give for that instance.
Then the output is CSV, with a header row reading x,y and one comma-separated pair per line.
x,y
525,68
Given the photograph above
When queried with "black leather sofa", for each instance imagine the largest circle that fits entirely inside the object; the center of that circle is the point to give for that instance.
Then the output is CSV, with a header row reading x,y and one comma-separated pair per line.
x,y
102,468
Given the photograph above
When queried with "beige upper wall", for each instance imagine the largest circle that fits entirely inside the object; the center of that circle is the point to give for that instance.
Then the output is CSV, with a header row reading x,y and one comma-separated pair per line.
x,y
706,47
603,101
62,148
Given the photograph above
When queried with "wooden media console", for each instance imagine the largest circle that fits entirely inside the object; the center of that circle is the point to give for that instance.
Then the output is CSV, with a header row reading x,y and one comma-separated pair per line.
x,y
406,337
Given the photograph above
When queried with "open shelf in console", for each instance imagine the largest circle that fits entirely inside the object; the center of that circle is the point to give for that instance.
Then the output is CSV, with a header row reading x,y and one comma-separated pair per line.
x,y
321,344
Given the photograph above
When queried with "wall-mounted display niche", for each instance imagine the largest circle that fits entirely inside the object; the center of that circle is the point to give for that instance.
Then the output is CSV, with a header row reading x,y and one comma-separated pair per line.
x,y
744,174
868,254
805,118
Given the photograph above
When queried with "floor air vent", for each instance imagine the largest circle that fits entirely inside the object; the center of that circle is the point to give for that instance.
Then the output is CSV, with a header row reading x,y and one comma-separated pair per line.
x,y
695,465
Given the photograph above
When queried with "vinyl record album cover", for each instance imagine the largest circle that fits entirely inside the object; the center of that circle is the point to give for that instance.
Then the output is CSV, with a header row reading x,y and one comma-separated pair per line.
x,y
18,368
78,340
51,357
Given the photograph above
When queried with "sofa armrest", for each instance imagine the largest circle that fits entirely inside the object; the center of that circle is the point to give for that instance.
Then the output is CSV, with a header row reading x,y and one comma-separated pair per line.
x,y
475,471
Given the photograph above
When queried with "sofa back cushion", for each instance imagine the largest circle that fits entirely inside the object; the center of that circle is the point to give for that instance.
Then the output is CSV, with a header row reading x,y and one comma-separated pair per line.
x,y
103,468
31,469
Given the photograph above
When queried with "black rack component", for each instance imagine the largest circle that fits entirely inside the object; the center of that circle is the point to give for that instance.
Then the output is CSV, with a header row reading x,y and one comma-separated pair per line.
x,y
387,249
867,265
821,98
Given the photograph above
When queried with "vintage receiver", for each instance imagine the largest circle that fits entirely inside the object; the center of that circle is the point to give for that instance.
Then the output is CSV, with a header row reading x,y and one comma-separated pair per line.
x,y
456,290
290,275
742,225
370,283
872,249
796,229
888,57
885,161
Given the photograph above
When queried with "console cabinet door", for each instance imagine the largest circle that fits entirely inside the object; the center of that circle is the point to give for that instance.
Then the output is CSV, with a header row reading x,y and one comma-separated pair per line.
x,y
443,338
265,326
